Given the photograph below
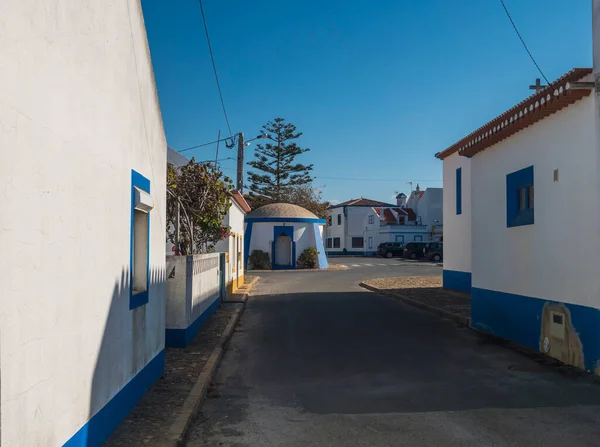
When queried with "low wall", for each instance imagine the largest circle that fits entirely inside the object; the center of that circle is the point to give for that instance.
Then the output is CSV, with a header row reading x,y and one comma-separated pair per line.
x,y
193,294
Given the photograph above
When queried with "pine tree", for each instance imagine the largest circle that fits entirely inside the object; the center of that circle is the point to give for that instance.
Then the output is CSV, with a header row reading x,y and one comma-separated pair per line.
x,y
275,171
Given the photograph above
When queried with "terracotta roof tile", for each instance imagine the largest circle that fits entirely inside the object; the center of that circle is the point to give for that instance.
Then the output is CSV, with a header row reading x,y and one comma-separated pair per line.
x,y
362,202
533,109
239,199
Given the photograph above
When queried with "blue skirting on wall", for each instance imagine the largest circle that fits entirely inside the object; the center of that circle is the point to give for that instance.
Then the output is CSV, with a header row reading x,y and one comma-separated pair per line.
x,y
104,422
180,338
519,318
455,280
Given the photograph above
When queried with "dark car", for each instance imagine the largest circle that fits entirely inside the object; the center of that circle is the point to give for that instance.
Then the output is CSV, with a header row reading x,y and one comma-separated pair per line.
x,y
414,250
390,249
434,251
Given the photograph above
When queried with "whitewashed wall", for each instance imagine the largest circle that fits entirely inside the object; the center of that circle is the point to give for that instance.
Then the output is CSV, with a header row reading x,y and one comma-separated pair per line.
x,y
336,230
457,228
556,258
262,236
192,289
78,112
430,206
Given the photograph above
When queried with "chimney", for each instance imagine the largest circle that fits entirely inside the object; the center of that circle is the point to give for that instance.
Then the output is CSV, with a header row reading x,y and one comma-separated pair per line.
x,y
401,200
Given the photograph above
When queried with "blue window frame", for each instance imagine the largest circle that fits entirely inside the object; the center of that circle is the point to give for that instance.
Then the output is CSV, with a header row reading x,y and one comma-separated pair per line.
x,y
371,219
459,191
520,198
418,238
139,249
400,238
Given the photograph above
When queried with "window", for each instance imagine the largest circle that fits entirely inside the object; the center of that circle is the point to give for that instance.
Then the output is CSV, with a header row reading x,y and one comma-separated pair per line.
x,y
329,220
357,242
418,238
400,238
459,191
336,242
339,219
370,242
139,255
371,219
329,242
520,198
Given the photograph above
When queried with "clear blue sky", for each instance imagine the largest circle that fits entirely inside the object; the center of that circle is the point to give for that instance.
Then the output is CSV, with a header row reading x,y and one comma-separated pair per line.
x,y
377,88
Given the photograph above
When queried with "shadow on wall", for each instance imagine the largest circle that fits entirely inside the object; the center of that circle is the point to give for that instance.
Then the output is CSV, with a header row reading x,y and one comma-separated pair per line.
x,y
130,359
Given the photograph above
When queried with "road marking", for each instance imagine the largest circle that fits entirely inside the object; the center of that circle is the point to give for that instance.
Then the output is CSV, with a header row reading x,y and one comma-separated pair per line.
x,y
355,265
368,265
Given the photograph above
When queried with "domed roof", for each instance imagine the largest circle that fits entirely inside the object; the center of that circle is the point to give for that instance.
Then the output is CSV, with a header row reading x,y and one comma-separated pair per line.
x,y
400,195
287,210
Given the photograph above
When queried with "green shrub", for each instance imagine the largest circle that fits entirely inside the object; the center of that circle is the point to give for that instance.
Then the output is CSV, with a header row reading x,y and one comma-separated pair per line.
x,y
259,260
308,259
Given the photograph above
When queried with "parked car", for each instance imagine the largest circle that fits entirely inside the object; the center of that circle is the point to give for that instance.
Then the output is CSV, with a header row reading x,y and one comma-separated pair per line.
x,y
390,249
434,251
414,250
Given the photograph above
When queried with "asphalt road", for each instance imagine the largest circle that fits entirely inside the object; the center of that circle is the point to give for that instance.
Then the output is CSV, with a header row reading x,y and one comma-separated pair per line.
x,y
318,361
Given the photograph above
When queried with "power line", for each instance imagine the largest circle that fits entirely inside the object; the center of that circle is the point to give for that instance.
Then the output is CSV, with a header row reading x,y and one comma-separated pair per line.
x,y
524,44
372,179
214,67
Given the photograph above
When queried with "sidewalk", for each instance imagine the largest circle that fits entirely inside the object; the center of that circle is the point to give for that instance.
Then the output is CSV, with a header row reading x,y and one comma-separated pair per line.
x,y
425,292
166,403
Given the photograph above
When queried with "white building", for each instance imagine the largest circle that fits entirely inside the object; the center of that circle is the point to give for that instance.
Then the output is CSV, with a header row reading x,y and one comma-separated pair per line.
x,y
358,226
284,231
82,310
534,266
233,245
427,205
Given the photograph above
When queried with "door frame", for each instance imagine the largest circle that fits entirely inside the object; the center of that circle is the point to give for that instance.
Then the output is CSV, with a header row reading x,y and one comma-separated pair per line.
x,y
287,231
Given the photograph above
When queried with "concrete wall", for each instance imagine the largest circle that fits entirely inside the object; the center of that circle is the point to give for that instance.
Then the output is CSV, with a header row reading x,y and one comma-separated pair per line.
x,y
78,112
522,273
193,294
457,227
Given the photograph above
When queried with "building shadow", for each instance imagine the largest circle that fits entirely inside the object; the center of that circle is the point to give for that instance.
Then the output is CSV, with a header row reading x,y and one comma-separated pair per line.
x,y
130,358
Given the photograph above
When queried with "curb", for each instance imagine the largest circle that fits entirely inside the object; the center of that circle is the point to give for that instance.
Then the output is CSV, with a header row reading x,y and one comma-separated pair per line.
x,y
176,435
534,355
457,318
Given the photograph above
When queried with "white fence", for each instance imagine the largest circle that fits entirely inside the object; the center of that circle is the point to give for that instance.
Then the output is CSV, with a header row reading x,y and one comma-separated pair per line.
x,y
193,293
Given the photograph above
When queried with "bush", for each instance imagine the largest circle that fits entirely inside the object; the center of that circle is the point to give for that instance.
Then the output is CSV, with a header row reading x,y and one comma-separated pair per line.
x,y
259,260
308,259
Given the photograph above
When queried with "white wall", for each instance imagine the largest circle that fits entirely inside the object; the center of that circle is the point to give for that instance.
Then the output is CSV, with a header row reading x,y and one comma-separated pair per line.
x,y
235,220
457,227
430,206
78,112
193,288
557,257
262,236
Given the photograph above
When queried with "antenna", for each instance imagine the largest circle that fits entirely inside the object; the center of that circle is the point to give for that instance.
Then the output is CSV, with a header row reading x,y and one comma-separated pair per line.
x,y
410,183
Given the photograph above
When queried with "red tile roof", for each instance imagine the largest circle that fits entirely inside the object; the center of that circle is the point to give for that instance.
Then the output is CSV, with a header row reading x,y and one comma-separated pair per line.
x,y
533,109
361,202
389,218
239,199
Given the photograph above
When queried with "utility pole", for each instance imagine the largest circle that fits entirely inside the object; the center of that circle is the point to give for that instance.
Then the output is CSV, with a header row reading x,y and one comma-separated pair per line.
x,y
240,163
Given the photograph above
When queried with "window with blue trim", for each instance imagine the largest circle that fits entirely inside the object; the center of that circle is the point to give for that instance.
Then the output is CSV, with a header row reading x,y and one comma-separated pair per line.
x,y
400,238
459,191
329,242
139,259
520,198
371,219
418,238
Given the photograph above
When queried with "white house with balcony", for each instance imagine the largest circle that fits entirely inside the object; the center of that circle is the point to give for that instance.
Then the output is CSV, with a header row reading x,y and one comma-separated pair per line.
x,y
531,267
358,226
82,310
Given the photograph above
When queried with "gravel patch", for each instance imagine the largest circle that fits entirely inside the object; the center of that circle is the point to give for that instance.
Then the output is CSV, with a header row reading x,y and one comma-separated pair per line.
x,y
427,290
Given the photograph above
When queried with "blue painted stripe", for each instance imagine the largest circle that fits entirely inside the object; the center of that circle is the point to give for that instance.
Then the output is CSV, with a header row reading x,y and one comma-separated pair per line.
x,y
102,424
456,280
518,318
180,338
459,191
286,219
323,264
247,239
